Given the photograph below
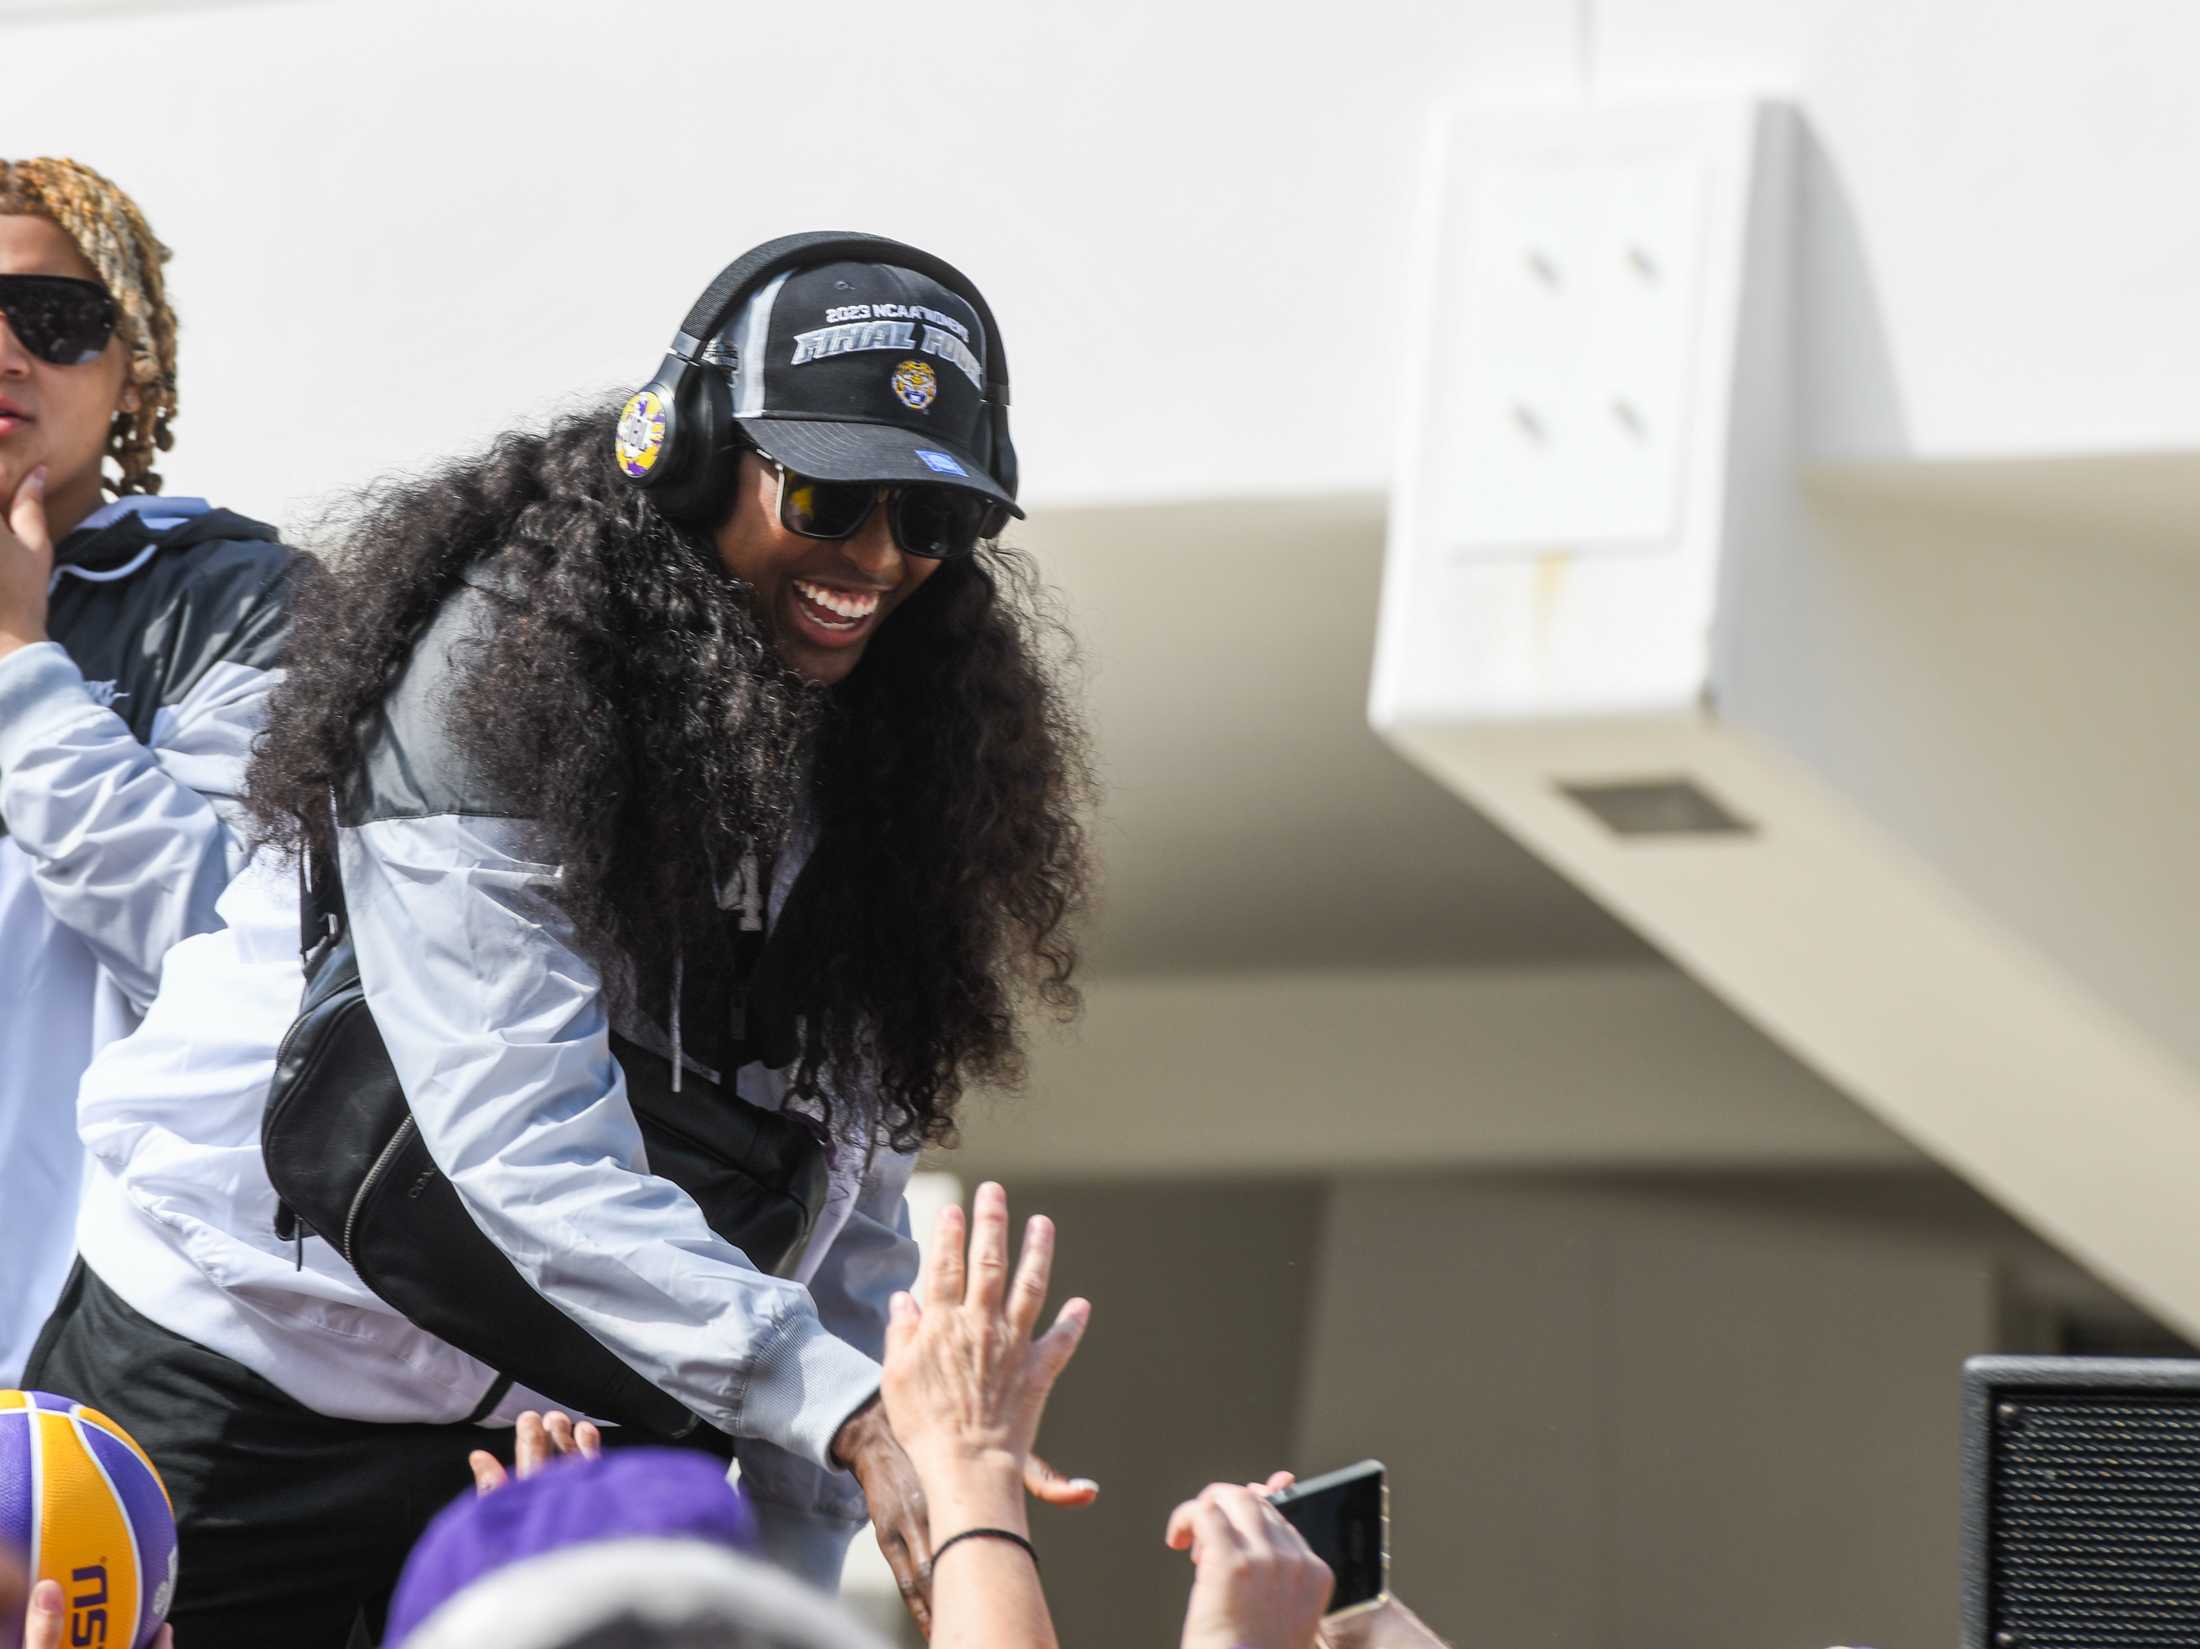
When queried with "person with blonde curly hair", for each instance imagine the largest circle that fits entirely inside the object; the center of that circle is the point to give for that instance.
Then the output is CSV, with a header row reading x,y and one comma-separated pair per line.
x,y
138,637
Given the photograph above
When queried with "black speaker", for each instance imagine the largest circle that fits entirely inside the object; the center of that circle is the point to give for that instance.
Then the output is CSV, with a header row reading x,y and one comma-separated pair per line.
x,y
2081,1503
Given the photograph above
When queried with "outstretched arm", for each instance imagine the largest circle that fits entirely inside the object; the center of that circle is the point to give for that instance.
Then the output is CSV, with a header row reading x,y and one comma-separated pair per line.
x,y
807,1514
497,1029
966,1383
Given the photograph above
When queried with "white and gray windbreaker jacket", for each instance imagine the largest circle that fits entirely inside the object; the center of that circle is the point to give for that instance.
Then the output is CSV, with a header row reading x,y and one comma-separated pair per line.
x,y
123,741
498,1029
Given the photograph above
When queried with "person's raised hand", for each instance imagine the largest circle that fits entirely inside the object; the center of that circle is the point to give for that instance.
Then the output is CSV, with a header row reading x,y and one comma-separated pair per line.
x,y
1389,1625
26,565
966,1380
1257,1584
538,1439
965,1383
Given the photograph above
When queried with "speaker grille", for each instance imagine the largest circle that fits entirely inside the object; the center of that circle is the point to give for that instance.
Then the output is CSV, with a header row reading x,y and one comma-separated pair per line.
x,y
2093,1522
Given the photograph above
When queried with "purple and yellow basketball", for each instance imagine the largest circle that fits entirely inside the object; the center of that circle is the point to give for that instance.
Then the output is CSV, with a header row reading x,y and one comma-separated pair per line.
x,y
84,1506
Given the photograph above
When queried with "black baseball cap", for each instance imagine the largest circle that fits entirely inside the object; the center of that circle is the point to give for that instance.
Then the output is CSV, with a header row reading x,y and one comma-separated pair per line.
x,y
864,372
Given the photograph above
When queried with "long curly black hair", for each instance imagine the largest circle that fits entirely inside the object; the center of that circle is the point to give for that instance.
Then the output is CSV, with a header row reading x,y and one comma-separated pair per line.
x,y
630,688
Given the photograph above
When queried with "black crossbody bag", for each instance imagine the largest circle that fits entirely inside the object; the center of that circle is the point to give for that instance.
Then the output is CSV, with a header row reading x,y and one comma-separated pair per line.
x,y
348,1165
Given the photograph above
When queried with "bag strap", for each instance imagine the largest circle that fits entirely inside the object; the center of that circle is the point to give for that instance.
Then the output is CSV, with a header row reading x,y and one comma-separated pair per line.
x,y
321,917
321,912
321,921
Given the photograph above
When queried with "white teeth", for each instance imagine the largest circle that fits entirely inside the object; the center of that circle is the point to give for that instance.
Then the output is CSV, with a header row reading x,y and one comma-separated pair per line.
x,y
848,604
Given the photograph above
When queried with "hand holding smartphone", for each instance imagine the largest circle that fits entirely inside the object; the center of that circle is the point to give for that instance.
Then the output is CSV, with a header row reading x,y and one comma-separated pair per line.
x,y
1345,1517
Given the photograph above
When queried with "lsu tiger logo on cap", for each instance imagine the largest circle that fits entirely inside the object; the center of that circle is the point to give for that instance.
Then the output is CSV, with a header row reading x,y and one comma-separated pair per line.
x,y
916,383
641,432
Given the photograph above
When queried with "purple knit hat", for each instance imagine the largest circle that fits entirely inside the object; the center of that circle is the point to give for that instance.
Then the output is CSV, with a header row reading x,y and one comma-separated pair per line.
x,y
623,1533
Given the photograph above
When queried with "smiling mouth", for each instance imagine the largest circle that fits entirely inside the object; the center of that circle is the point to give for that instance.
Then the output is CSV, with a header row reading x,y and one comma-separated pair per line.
x,y
842,612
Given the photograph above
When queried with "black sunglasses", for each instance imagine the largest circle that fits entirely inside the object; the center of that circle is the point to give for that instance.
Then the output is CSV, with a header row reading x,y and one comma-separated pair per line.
x,y
932,522
61,320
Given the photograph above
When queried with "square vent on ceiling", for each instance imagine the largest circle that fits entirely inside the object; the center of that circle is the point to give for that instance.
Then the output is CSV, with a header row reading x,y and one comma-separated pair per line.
x,y
1659,807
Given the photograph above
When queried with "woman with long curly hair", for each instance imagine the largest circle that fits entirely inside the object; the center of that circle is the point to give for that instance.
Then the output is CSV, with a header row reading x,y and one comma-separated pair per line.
x,y
770,795
138,636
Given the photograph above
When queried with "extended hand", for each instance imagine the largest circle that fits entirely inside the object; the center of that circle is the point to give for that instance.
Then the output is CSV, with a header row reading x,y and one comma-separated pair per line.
x,y
966,1381
538,1439
1257,1583
26,565
1389,1625
899,1517
964,1386
900,1514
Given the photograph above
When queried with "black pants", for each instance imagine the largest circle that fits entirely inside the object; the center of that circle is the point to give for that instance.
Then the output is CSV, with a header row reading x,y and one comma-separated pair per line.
x,y
291,1525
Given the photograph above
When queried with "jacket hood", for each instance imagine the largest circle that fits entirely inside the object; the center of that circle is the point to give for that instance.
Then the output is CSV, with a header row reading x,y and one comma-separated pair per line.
x,y
115,537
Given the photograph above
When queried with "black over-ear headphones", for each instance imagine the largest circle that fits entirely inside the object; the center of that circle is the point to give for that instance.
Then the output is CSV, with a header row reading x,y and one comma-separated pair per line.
x,y
676,437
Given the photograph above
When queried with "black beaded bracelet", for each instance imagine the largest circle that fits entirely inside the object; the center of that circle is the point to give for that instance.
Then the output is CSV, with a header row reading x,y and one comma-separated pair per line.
x,y
1009,1535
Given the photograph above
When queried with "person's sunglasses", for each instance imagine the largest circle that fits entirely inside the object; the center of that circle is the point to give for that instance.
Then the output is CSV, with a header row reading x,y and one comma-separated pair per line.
x,y
61,320
927,521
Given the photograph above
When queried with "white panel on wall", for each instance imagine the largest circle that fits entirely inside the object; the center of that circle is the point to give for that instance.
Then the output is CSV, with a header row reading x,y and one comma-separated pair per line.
x,y
1570,445
1563,357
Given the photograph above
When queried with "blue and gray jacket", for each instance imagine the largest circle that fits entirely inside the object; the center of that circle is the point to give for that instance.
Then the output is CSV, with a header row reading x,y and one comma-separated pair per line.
x,y
123,742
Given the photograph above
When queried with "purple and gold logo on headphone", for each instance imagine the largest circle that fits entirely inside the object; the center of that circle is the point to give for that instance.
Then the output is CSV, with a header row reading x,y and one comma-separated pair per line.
x,y
916,384
641,432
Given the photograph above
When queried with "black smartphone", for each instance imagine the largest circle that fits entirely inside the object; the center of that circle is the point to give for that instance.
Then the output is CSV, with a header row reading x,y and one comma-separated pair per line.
x,y
1345,1516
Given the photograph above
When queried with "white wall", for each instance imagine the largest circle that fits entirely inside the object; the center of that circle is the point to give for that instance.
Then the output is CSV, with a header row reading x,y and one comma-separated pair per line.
x,y
401,223
1995,254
